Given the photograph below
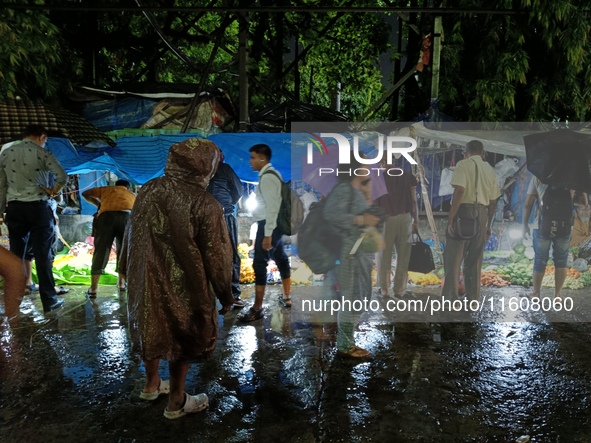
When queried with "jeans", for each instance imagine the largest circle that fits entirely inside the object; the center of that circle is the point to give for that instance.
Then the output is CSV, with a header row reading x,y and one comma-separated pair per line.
x,y
560,247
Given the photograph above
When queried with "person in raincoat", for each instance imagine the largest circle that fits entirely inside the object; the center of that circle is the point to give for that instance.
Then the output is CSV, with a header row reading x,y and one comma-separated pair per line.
x,y
178,258
346,208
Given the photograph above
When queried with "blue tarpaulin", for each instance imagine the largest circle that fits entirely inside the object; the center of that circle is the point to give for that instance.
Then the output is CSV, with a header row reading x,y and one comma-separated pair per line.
x,y
140,159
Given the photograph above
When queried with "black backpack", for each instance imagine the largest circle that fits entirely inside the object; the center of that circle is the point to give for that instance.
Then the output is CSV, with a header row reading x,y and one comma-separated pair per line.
x,y
556,213
319,243
291,211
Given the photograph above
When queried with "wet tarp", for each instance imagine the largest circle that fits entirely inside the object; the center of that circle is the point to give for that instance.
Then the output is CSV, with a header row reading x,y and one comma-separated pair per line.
x,y
140,159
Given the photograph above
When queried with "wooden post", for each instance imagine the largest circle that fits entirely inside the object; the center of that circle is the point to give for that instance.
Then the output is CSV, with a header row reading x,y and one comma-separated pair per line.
x,y
438,29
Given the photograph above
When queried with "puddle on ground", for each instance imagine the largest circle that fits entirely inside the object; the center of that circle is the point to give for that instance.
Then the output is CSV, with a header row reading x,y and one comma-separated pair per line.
x,y
71,377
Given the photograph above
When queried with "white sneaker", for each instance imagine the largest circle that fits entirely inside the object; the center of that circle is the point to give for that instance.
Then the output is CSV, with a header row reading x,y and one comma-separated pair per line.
x,y
193,403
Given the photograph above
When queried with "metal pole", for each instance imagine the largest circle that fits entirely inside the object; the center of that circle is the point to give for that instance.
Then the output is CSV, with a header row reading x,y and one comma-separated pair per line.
x,y
243,73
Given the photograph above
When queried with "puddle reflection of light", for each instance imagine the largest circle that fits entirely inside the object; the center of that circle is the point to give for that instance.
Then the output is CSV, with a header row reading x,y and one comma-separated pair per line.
x,y
241,343
113,351
359,407
502,350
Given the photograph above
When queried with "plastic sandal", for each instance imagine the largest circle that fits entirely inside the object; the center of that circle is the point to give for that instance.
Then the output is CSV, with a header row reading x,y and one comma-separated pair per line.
x,y
90,294
355,352
286,302
252,315
193,403
238,303
163,388
32,288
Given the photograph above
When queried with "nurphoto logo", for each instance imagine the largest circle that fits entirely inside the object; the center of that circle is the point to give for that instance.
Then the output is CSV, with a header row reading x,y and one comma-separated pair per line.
x,y
387,148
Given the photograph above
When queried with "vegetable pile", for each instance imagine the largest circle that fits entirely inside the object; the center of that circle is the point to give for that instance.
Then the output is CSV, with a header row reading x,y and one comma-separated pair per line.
x,y
419,278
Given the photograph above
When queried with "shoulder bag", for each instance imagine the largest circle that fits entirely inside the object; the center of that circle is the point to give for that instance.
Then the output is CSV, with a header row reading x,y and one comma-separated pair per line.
x,y
466,223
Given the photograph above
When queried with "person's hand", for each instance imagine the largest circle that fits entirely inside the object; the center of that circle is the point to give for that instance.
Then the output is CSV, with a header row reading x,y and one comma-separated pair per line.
x,y
526,233
370,219
488,234
267,245
415,227
51,192
48,191
450,229
225,309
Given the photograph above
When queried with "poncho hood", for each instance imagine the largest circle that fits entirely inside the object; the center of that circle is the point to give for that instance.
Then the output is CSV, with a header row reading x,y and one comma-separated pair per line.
x,y
193,161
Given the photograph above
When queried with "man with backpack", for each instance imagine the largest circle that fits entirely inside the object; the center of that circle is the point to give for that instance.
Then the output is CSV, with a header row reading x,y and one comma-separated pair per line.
x,y
268,243
554,227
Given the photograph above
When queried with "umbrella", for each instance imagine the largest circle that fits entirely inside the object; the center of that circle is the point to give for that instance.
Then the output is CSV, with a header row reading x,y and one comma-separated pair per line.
x,y
15,115
317,176
560,158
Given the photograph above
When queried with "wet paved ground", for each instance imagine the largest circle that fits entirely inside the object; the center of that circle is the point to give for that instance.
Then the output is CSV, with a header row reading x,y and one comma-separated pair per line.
x,y
70,377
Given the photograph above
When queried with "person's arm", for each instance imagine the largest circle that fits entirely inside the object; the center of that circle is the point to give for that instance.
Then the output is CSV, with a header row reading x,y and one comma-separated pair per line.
x,y
414,209
214,244
492,208
3,190
92,196
61,177
527,208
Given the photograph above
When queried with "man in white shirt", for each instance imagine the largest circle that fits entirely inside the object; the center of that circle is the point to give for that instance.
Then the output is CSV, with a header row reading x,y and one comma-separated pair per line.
x,y
268,242
468,191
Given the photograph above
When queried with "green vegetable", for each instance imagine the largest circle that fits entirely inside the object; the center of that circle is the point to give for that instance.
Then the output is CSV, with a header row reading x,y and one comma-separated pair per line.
x,y
519,249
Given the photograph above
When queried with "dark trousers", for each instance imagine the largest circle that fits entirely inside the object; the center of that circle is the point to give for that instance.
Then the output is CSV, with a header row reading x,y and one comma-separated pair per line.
x,y
233,232
261,257
31,225
108,226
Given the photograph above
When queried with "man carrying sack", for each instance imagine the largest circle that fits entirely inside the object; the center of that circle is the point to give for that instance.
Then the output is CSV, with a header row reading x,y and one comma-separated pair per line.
x,y
469,221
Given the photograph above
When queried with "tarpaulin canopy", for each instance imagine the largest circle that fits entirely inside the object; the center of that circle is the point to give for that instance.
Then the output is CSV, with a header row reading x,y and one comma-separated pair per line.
x,y
140,159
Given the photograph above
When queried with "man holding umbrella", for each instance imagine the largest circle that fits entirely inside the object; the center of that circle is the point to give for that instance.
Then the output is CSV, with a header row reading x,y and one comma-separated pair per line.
x,y
29,216
554,227
559,161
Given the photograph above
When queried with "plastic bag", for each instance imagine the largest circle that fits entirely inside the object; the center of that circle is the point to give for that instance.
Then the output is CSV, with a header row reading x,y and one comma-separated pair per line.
x,y
505,169
445,187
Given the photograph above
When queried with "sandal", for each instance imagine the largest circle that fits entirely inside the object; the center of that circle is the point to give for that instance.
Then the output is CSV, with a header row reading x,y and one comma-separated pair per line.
x,y
163,388
285,301
32,288
252,315
193,403
61,290
355,352
90,294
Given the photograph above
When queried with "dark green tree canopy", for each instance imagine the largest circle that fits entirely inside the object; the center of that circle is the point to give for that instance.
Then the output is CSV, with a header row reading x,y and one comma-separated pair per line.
x,y
529,62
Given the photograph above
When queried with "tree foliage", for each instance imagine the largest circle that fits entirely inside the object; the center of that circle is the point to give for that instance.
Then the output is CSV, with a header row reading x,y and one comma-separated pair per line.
x,y
528,66
531,66
30,55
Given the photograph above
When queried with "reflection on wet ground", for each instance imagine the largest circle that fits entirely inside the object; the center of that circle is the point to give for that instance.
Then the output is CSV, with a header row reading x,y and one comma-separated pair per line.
x,y
70,376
